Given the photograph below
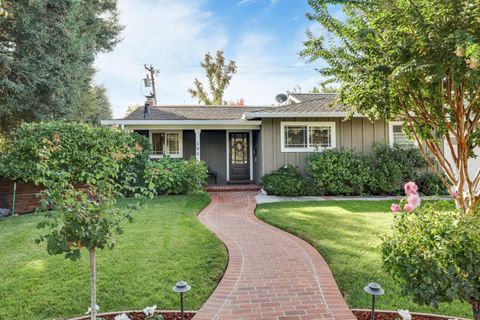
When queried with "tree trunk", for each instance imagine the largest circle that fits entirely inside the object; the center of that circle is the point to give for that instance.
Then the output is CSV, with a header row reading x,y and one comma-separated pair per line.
x,y
93,285
476,309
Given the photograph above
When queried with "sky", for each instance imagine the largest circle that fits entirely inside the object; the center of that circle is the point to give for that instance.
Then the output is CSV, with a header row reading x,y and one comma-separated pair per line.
x,y
263,37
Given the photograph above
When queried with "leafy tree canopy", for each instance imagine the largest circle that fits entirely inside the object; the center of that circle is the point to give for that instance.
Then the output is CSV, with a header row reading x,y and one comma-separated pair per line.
x,y
218,75
416,60
47,50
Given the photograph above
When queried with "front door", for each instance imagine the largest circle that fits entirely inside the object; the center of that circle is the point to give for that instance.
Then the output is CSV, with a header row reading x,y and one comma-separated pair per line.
x,y
239,161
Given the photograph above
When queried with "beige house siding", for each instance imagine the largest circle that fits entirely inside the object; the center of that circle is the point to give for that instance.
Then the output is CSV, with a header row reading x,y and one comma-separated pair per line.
x,y
357,134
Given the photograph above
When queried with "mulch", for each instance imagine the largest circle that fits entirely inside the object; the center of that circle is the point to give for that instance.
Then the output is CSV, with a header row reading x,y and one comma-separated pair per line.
x,y
141,316
386,315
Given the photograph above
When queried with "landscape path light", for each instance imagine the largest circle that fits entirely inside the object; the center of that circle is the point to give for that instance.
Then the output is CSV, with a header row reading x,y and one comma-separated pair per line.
x,y
375,290
181,287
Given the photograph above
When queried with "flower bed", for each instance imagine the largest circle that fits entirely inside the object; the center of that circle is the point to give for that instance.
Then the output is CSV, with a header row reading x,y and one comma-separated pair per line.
x,y
364,314
140,315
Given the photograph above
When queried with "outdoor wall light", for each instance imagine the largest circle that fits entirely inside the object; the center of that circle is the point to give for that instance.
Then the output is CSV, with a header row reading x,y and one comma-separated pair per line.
x,y
181,287
375,290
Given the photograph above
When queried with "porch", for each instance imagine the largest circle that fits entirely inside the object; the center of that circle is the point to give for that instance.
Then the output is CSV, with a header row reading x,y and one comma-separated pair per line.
x,y
232,155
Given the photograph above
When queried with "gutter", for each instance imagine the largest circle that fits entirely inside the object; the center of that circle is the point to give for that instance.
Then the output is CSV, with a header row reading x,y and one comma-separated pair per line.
x,y
256,115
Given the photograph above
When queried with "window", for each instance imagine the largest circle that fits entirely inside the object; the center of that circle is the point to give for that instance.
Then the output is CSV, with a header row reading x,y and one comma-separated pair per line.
x,y
166,143
307,136
397,136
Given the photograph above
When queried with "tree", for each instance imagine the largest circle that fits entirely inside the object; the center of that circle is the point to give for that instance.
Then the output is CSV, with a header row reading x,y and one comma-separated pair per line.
x,y
417,61
132,107
47,51
239,103
95,106
323,88
82,186
218,75
4,9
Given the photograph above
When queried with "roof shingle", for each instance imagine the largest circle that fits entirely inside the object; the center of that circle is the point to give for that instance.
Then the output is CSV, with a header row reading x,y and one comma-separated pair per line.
x,y
193,112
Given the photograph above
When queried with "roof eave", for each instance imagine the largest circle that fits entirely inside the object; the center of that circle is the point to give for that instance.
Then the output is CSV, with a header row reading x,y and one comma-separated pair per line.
x,y
333,114
126,122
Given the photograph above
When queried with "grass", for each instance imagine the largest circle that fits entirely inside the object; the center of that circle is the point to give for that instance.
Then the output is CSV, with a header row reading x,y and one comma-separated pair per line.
x,y
164,244
347,234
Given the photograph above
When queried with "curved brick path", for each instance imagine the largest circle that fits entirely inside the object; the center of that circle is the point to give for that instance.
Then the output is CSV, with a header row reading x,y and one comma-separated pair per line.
x,y
271,274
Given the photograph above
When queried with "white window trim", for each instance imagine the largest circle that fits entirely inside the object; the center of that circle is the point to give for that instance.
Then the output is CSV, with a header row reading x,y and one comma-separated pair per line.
x,y
308,125
391,124
180,143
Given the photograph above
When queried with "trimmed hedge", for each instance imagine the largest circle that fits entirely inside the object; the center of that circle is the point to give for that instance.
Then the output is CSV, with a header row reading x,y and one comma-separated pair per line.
x,y
382,171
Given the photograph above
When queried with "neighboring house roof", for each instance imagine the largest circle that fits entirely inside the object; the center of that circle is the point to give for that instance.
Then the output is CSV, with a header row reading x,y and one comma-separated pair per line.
x,y
193,112
308,105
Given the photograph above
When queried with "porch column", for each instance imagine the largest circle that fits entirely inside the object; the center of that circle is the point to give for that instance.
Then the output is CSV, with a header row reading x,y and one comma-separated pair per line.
x,y
197,143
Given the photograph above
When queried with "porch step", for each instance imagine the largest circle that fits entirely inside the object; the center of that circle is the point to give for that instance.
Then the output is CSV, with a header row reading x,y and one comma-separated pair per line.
x,y
233,187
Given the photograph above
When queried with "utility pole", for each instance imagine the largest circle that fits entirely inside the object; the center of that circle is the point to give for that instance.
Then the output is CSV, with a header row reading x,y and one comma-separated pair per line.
x,y
153,73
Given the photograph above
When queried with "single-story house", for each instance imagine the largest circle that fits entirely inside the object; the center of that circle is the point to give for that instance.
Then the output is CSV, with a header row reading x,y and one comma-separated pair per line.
x,y
242,143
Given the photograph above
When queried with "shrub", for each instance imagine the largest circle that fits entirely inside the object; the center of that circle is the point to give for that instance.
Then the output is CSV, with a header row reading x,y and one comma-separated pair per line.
x,y
338,172
81,148
172,176
435,255
429,184
286,181
137,164
391,166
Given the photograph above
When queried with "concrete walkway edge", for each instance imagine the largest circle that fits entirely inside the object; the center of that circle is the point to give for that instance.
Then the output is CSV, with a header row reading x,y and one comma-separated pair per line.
x,y
261,199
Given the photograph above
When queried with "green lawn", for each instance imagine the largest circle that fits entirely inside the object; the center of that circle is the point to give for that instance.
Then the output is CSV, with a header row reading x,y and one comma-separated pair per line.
x,y
347,234
165,243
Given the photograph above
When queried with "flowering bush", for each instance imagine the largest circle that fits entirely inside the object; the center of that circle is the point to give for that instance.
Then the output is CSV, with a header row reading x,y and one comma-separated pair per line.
x,y
434,251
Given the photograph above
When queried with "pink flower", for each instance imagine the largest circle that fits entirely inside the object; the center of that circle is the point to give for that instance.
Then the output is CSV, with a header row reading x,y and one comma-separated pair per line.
x,y
411,188
408,207
395,207
454,193
414,201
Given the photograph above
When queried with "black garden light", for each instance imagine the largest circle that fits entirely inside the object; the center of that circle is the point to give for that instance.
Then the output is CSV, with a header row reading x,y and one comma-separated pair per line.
x,y
375,290
181,287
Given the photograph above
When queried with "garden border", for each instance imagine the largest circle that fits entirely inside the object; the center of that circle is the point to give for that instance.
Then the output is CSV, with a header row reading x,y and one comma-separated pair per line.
x,y
115,313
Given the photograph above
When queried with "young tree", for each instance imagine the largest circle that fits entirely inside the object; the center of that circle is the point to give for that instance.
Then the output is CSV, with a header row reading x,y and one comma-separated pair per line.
x,y
418,61
83,169
218,75
47,51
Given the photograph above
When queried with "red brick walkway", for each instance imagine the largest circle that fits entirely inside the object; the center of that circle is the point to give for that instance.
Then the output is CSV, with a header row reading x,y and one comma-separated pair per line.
x,y
271,274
